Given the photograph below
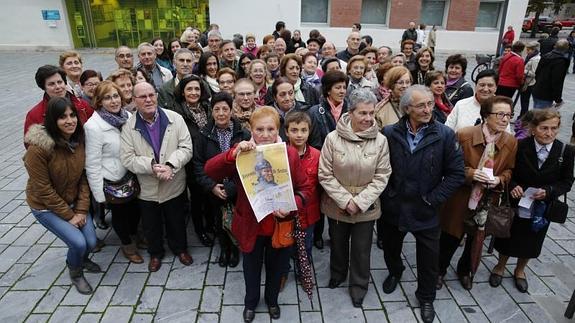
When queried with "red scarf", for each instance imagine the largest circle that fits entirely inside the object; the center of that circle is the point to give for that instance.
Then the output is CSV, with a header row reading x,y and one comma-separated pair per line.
x,y
444,107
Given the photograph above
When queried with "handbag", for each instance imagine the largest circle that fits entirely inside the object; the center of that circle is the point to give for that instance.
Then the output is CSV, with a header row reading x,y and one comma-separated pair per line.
x,y
557,210
227,218
123,190
500,218
283,233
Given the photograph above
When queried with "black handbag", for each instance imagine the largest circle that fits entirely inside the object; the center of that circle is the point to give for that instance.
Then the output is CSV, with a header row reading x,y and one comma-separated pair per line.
x,y
123,190
557,210
499,217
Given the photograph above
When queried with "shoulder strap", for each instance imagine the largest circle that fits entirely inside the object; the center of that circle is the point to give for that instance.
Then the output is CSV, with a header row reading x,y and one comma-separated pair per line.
x,y
457,91
560,160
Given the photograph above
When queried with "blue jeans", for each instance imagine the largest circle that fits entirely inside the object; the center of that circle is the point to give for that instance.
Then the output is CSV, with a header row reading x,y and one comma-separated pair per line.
x,y
80,241
541,104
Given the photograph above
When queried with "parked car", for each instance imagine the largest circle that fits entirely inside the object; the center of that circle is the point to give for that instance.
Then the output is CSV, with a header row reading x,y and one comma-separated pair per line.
x,y
568,22
543,26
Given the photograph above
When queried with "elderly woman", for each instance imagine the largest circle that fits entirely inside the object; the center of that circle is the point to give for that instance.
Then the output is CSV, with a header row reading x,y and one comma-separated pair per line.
x,y
221,133
309,71
457,87
397,80
356,67
208,69
88,81
52,80
226,78
71,63
487,149
398,59
57,189
103,163
353,170
290,67
192,104
435,81
258,73
423,63
125,81
254,237
546,164
244,102
284,101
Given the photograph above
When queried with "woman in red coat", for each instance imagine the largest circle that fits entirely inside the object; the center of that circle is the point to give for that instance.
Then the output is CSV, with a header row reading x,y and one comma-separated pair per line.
x,y
255,238
511,71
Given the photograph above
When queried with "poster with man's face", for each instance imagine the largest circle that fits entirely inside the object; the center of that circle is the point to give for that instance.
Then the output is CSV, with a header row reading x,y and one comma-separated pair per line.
x,y
265,176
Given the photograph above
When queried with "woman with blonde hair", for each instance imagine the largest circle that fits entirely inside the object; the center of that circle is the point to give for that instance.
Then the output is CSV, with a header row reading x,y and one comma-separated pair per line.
x,y
397,80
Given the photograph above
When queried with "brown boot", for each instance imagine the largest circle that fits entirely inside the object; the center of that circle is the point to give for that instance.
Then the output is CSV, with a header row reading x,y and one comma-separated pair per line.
x,y
131,253
140,241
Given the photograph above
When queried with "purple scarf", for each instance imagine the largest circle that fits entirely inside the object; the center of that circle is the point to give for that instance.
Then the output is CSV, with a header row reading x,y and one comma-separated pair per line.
x,y
116,120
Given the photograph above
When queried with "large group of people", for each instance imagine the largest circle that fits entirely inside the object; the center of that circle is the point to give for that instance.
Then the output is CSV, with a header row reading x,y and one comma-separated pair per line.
x,y
374,140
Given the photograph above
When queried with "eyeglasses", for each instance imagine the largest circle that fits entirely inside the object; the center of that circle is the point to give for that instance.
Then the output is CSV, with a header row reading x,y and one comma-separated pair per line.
x,y
423,105
501,115
114,96
146,96
91,84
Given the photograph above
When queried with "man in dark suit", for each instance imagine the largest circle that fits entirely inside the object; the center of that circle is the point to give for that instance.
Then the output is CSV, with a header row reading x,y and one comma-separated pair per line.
x,y
183,61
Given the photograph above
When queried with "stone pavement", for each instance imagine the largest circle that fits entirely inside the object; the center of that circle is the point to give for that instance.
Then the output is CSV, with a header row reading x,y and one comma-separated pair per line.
x,y
34,285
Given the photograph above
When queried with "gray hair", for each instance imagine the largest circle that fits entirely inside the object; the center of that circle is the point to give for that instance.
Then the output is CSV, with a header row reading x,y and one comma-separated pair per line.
x,y
533,45
145,44
121,47
215,33
562,45
407,97
182,51
361,95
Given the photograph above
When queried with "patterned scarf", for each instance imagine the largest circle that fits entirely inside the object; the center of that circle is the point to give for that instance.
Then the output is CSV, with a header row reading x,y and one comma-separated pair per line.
x,y
225,136
488,161
242,115
198,114
383,93
115,120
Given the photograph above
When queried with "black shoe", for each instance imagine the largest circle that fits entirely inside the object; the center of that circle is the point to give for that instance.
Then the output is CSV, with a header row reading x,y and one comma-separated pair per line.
x,y
439,283
234,257
249,315
379,244
205,240
223,260
101,223
274,312
333,283
357,302
427,312
318,243
91,266
390,283
495,279
520,284
466,281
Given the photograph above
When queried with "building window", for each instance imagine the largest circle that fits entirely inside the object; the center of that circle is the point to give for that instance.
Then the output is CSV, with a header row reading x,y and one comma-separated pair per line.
x,y
314,11
489,14
433,12
374,12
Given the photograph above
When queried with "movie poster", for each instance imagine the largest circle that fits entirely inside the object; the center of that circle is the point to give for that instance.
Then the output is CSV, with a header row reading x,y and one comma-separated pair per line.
x,y
265,176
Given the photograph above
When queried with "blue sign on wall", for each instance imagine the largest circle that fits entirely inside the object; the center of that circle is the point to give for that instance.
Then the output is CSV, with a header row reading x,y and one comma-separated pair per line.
x,y
51,14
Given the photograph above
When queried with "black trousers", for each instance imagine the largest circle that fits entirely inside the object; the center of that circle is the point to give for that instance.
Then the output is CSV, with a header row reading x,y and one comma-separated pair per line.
x,y
171,215
318,229
125,219
358,260
427,255
505,91
202,219
275,260
525,98
447,247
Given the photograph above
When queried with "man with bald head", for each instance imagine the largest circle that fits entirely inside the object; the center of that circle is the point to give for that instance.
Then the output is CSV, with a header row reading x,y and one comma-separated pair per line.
x,y
156,146
352,49
328,51
409,33
124,57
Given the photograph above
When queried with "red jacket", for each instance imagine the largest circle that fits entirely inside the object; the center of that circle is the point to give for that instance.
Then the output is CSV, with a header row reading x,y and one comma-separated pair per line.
x,y
38,112
511,71
508,37
310,214
245,227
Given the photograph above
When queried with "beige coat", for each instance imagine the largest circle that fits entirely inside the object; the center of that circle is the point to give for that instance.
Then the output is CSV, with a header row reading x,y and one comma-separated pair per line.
x,y
353,166
137,156
386,114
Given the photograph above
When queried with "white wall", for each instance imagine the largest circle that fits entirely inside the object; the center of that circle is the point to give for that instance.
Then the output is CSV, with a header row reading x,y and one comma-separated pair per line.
x,y
238,16
24,28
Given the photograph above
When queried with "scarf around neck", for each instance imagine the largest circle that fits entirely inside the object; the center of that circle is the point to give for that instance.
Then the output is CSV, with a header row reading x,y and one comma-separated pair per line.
x,y
115,120
297,90
487,161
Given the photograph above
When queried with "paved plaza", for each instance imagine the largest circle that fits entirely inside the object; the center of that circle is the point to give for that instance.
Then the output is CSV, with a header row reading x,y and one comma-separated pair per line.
x,y
35,287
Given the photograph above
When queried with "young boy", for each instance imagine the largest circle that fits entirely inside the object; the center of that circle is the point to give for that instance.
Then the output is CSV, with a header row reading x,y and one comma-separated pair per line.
x,y
298,126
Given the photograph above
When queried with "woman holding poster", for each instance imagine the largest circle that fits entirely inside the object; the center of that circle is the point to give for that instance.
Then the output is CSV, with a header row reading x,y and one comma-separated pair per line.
x,y
254,233
354,169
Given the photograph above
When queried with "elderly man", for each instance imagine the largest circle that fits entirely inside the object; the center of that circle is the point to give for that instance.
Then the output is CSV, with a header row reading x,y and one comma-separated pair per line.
x,y
184,62
280,47
418,145
124,57
383,53
147,56
214,42
156,145
328,51
228,56
550,76
352,49
409,33
313,45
